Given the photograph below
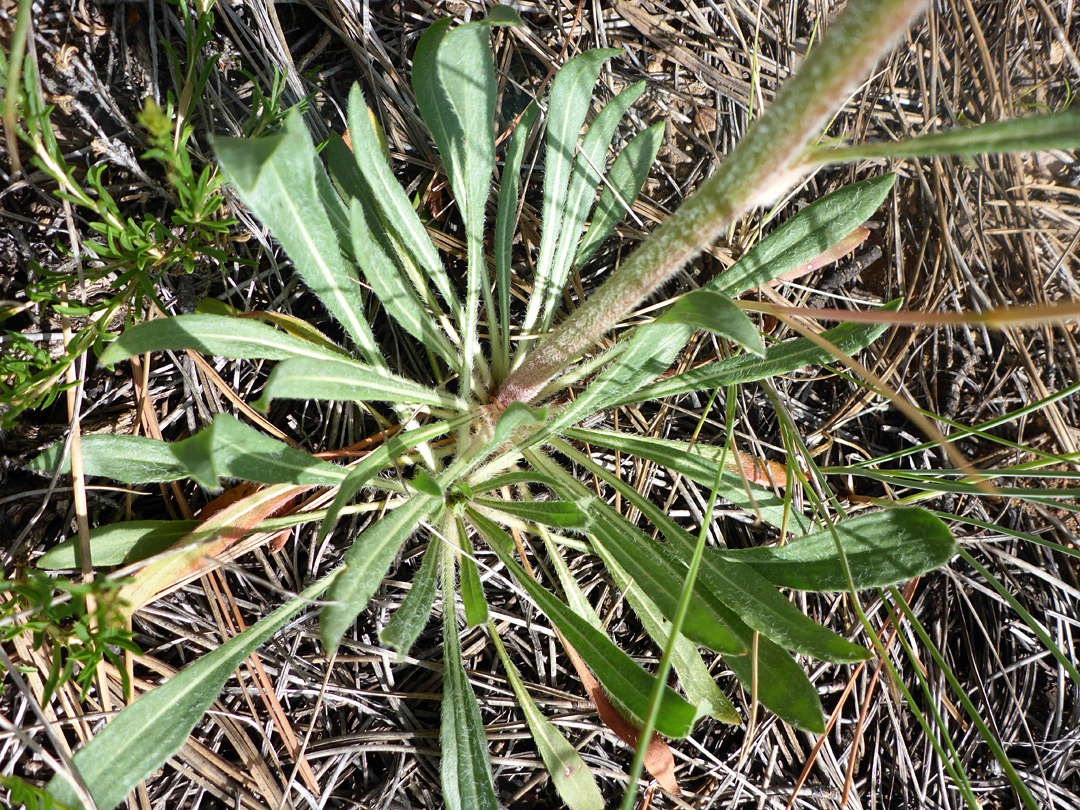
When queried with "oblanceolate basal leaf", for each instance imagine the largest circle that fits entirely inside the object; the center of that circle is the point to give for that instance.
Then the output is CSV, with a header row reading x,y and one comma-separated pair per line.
x,y
118,543
129,459
231,449
882,548
569,773
627,684
466,767
349,381
779,359
568,103
409,619
140,739
217,335
623,184
281,179
366,563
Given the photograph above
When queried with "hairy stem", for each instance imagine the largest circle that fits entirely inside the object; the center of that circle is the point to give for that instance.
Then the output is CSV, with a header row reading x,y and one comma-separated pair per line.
x,y
768,160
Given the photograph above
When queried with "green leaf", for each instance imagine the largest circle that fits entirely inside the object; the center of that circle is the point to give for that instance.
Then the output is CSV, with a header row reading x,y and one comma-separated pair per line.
x,y
1039,132
466,768
472,591
779,359
410,618
142,737
129,459
510,480
506,228
278,177
516,415
423,482
118,543
698,463
217,335
378,459
623,680
882,548
662,578
366,563
453,77
568,103
808,234
569,773
395,207
348,381
588,170
231,449
503,15
623,184
557,514
714,312
395,293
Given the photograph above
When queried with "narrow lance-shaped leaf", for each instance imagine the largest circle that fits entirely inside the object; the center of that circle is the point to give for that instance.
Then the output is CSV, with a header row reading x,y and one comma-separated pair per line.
x,y
472,591
229,448
217,335
506,228
394,204
716,313
344,380
142,737
410,618
698,463
396,295
568,103
465,766
627,684
569,773
621,187
276,178
779,359
588,171
118,543
808,234
557,514
366,563
882,548
1039,132
380,458
129,459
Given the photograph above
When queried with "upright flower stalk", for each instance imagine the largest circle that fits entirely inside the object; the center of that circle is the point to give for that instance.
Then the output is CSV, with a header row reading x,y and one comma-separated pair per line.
x,y
767,161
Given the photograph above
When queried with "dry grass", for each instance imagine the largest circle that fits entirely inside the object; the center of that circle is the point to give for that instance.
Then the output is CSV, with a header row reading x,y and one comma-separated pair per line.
x,y
956,235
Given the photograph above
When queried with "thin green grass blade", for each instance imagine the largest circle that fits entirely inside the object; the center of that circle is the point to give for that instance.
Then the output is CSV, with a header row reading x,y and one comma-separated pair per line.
x,y
623,184
412,616
216,335
988,736
142,737
366,563
568,771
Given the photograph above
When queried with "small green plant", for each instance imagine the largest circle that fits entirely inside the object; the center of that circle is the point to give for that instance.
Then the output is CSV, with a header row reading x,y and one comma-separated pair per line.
x,y
54,611
130,251
485,432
